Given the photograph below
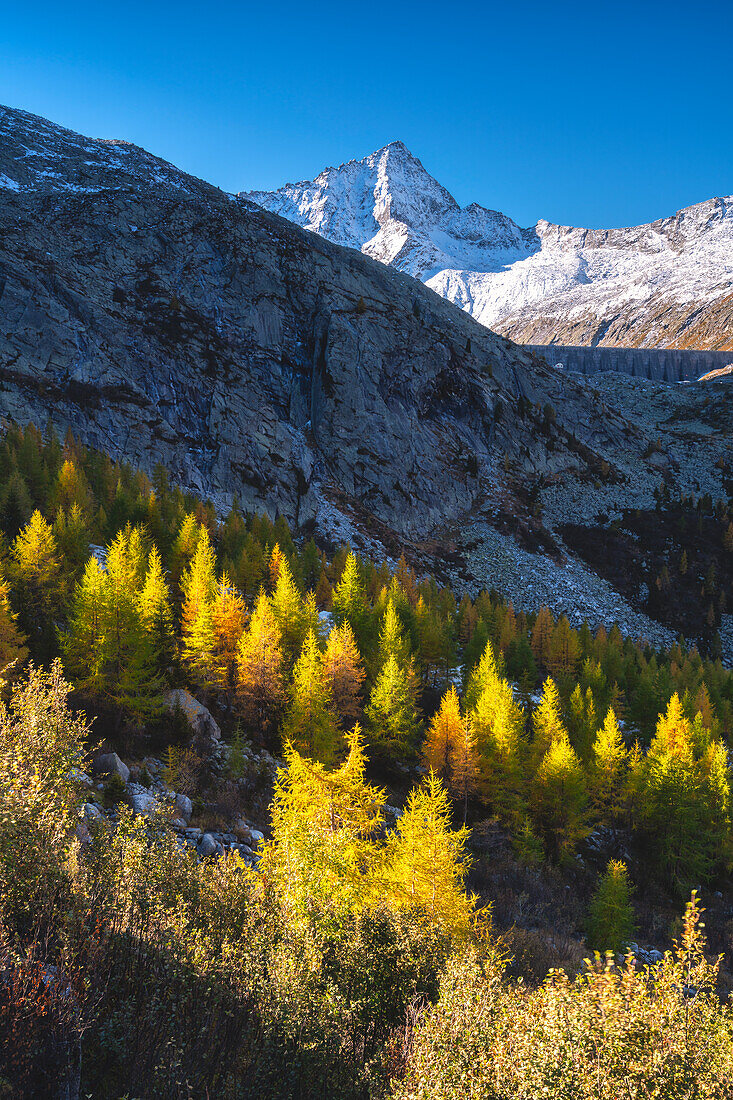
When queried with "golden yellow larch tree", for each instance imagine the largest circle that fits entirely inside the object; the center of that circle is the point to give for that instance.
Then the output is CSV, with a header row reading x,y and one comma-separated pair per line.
x,y
322,853
344,674
228,620
260,689
425,860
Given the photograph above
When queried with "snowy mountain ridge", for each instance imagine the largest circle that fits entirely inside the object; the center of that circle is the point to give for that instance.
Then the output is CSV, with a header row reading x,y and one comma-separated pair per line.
x,y
667,283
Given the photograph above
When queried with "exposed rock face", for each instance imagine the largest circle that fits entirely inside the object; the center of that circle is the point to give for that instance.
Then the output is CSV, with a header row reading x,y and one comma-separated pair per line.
x,y
109,763
665,284
164,321
199,718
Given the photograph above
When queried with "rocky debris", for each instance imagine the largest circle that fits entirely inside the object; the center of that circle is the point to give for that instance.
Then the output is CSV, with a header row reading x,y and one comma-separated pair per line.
x,y
567,587
643,956
184,806
199,718
141,800
208,845
109,763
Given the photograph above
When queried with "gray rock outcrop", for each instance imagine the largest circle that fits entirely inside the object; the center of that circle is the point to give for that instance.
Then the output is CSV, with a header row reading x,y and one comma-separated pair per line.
x,y
166,322
109,763
199,718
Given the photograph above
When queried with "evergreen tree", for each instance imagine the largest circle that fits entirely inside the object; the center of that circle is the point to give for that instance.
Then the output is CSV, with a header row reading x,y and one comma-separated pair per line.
x,y
391,715
582,721
309,723
260,692
344,674
156,614
16,504
562,658
13,650
611,916
71,531
322,853
547,724
542,633
426,860
559,798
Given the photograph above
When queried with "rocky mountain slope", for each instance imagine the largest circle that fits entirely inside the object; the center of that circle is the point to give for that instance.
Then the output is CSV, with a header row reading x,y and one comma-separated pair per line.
x,y
165,321
666,284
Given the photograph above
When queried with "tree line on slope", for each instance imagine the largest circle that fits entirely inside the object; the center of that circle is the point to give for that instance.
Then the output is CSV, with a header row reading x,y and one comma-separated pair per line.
x,y
296,649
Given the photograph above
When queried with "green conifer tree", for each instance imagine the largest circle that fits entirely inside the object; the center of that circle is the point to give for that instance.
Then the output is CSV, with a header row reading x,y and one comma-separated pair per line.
x,y
611,916
391,715
309,723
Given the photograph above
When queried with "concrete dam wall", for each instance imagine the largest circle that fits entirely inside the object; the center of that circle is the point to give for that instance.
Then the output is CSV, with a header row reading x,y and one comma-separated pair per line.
x,y
661,364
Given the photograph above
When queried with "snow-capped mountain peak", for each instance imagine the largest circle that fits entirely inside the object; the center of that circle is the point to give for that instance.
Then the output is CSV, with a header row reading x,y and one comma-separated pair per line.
x,y
666,284
388,206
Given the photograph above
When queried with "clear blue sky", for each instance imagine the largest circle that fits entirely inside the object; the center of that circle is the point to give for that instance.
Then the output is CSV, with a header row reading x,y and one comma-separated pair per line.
x,y
588,114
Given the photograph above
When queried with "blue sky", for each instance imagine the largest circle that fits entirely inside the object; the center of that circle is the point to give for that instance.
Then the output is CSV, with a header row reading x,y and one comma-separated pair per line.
x,y
588,114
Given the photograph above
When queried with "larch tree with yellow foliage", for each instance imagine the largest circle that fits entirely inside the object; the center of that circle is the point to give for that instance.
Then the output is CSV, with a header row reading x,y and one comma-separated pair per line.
x,y
349,603
71,488
450,750
425,861
81,644
685,799
484,675
344,674
607,771
309,721
498,728
260,690
228,619
198,587
13,650
391,716
157,615
444,731
38,583
127,675
289,614
322,855
559,798
547,723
